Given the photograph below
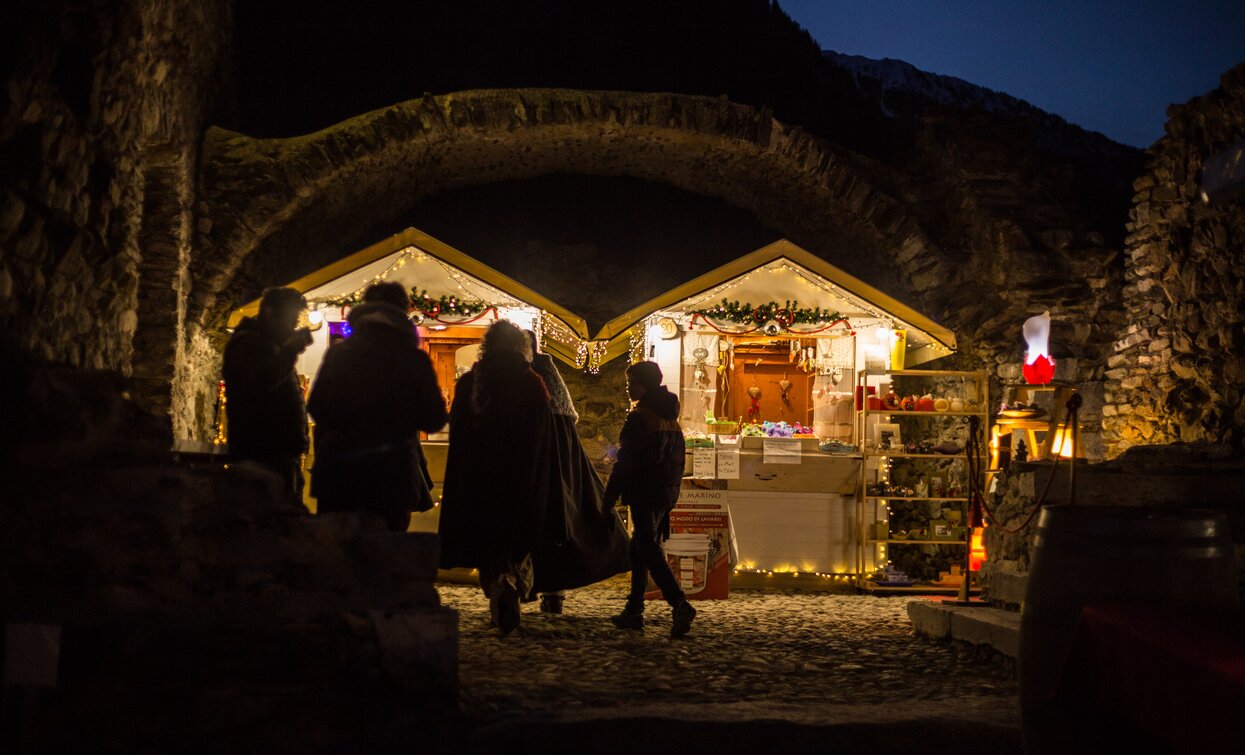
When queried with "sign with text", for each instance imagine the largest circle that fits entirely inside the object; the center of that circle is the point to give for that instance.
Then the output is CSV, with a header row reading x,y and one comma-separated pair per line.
x,y
703,463
701,549
781,451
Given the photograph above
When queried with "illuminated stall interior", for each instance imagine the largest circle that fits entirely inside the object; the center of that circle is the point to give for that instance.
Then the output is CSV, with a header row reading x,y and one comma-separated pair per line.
x,y
454,300
777,335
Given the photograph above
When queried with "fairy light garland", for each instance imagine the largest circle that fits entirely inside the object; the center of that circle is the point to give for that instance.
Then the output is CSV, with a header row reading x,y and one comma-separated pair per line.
x,y
596,356
836,576
219,437
636,340
553,328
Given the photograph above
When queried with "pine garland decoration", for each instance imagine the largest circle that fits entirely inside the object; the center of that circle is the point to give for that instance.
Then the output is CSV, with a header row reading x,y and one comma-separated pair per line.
x,y
785,315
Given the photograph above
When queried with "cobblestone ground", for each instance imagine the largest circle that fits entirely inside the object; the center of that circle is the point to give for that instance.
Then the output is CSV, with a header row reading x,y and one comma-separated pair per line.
x,y
782,650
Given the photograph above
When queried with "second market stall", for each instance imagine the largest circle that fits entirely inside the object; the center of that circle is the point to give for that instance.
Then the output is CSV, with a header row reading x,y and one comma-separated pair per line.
x,y
763,353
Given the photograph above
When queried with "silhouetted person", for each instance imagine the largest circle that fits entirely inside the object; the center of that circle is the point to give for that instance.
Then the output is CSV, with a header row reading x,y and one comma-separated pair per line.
x,y
647,476
263,400
375,392
596,546
503,497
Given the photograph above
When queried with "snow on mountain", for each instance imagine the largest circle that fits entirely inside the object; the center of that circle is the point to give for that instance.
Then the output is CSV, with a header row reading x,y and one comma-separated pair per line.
x,y
903,90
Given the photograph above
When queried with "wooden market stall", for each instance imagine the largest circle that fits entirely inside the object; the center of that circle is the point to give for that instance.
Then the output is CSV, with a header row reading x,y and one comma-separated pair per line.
x,y
454,299
767,346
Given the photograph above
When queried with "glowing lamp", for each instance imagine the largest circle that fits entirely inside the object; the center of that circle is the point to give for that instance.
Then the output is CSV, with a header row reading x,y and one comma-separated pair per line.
x,y
1039,368
976,550
1062,446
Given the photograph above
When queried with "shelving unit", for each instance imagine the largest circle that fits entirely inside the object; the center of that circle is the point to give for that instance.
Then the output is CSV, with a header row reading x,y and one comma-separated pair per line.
x,y
874,550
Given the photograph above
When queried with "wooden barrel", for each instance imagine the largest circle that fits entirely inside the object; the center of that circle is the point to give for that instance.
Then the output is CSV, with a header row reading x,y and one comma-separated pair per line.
x,y
1099,554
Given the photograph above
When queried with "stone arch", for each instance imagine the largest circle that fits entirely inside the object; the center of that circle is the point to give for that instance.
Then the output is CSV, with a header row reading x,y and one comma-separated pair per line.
x,y
284,197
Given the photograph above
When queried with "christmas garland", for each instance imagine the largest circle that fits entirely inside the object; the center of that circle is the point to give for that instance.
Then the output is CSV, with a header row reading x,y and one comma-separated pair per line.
x,y
785,316
746,314
446,305
422,302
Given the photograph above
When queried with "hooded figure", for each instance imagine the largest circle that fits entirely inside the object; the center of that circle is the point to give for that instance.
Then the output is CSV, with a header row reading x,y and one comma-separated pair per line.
x,y
647,477
503,497
263,398
374,394
595,547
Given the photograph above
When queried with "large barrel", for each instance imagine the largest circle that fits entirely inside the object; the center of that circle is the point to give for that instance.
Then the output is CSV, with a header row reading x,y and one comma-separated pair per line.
x,y
1098,554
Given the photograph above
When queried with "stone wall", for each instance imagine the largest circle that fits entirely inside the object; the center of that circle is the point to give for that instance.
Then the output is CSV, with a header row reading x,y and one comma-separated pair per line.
x,y
1178,368
177,586
99,134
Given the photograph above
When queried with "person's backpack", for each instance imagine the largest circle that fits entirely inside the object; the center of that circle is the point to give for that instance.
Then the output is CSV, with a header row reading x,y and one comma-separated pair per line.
x,y
668,454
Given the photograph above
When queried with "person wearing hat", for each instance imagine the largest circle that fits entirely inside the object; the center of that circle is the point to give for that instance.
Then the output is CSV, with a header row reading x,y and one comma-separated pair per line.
x,y
376,391
263,399
647,476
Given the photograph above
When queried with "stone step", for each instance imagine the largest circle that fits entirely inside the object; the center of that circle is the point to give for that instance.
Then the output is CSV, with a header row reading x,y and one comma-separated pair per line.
x,y
977,625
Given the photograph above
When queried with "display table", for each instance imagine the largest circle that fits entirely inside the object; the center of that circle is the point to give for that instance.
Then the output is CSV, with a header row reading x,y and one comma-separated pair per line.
x,y
1174,674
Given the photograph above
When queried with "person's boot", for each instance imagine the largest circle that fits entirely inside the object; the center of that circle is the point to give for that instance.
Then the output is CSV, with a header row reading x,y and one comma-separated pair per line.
x,y
632,616
507,616
551,603
682,620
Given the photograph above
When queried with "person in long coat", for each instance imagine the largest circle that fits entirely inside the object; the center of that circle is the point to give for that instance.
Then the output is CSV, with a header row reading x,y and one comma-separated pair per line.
x,y
503,497
596,542
263,399
375,392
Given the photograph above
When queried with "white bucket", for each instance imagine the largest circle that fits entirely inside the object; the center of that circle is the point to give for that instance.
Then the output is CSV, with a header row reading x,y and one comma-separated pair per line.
x,y
688,556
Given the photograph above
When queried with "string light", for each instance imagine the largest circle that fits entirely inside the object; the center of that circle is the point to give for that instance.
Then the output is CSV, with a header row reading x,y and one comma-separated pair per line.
x,y
218,421
835,576
555,329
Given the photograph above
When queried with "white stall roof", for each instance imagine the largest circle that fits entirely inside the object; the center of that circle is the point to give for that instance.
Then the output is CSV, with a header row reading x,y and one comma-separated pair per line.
x,y
417,260
783,271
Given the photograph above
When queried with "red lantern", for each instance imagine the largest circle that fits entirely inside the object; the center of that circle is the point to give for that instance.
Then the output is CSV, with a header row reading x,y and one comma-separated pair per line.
x,y
1040,372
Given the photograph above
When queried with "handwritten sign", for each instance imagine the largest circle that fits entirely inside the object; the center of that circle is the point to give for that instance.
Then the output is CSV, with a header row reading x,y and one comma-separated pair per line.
x,y
703,463
728,462
781,451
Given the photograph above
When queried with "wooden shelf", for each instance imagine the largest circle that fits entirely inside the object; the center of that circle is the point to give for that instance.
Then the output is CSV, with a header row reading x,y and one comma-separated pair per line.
x,y
915,498
918,542
975,413
913,413
886,454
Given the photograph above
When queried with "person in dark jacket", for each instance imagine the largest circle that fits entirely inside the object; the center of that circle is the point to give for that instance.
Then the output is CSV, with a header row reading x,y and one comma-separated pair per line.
x,y
596,545
375,392
263,399
503,498
647,476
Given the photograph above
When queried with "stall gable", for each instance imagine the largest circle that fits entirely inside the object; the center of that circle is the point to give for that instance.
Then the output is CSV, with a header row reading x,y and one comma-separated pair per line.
x,y
417,260
783,272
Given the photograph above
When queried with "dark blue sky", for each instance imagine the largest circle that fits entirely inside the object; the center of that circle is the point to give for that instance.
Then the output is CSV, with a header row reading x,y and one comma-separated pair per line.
x,y
1107,65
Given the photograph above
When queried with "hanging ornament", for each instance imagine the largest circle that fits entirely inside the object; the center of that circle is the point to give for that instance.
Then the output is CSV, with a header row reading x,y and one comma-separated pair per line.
x,y
784,385
755,409
784,317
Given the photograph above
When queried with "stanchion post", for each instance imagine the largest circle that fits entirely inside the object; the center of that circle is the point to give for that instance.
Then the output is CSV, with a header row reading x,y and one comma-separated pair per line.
x,y
1074,405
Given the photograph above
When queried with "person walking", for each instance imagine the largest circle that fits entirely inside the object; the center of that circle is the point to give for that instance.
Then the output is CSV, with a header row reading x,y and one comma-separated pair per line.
x,y
503,497
595,547
647,476
264,403
375,392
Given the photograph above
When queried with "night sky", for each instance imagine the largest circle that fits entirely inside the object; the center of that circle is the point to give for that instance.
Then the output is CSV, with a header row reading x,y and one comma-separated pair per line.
x,y
1108,65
